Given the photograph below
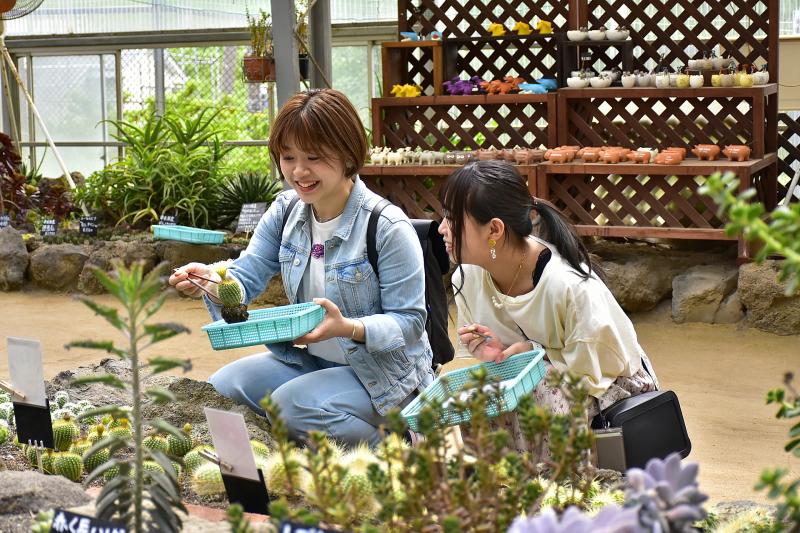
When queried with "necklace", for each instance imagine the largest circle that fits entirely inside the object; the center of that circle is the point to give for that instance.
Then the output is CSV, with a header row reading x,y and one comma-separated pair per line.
x,y
497,302
323,220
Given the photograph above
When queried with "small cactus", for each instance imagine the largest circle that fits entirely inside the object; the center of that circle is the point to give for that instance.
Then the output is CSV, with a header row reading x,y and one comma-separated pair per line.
x,y
97,433
48,458
178,447
69,465
61,398
193,460
230,295
207,480
4,397
275,474
90,462
3,432
64,432
80,446
122,430
156,442
259,448
7,411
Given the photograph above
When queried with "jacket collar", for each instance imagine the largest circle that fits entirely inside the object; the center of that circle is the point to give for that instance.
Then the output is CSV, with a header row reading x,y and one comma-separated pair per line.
x,y
349,215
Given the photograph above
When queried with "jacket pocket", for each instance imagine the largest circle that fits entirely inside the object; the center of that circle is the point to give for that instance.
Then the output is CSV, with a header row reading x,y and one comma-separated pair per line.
x,y
358,286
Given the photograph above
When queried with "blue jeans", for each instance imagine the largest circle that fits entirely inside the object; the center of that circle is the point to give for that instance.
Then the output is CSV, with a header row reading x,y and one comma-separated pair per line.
x,y
317,395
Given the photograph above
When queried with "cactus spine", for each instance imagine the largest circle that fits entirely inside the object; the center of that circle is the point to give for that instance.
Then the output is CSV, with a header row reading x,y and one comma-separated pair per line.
x,y
64,432
230,295
207,480
178,447
156,442
90,462
69,465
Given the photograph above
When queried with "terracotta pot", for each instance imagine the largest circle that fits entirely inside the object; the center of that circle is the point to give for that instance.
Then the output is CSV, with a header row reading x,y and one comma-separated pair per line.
x,y
737,152
709,152
258,69
639,157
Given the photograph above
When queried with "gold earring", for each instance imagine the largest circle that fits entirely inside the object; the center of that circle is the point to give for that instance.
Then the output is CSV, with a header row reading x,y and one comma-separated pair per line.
x,y
492,251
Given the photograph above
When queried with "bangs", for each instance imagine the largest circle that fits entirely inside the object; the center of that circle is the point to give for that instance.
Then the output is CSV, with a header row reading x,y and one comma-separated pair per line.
x,y
306,133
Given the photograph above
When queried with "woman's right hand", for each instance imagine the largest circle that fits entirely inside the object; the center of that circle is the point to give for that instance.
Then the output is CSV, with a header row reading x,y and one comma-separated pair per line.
x,y
180,279
481,342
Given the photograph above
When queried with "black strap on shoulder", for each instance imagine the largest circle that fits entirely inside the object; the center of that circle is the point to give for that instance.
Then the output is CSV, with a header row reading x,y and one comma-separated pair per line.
x,y
372,230
288,212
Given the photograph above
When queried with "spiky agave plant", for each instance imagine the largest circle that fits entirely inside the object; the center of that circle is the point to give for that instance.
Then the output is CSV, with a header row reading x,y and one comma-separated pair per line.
x,y
245,188
143,497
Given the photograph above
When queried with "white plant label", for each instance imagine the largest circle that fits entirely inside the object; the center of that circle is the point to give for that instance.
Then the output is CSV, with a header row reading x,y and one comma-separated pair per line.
x,y
232,443
25,369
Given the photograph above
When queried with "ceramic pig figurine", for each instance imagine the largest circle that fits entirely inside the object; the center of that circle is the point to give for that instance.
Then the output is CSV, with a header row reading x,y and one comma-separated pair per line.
x,y
737,152
669,158
591,155
639,157
557,156
611,156
708,152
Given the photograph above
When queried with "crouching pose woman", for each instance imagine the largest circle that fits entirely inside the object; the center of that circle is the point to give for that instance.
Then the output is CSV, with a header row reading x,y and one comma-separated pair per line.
x,y
370,353
524,277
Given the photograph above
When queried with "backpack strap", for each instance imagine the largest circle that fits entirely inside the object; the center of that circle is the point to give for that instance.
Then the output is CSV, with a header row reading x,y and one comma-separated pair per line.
x,y
288,212
372,230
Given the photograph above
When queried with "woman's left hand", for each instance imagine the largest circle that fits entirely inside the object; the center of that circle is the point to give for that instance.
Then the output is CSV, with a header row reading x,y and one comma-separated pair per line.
x,y
333,325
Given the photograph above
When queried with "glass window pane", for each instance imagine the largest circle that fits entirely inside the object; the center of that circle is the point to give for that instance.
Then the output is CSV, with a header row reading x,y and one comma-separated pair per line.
x,y
350,76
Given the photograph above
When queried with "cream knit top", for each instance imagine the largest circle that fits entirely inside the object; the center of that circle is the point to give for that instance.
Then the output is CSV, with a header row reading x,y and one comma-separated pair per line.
x,y
577,321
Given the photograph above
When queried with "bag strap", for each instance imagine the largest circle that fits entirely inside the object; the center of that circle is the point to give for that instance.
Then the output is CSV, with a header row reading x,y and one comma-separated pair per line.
x,y
288,212
372,230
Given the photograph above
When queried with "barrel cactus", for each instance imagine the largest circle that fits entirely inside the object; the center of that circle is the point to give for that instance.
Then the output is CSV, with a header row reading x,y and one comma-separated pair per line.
x,y
156,442
64,432
180,446
259,448
61,398
231,297
90,462
7,411
193,460
3,432
69,465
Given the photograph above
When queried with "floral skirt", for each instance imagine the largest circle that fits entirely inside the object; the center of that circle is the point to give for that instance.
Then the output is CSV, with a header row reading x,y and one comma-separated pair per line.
x,y
554,398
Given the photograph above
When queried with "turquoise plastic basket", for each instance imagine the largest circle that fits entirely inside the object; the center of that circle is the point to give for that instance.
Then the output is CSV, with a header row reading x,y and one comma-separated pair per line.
x,y
266,326
187,234
519,373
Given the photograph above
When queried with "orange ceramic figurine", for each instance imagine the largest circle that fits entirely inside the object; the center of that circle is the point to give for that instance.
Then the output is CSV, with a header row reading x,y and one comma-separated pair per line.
x,y
737,152
669,158
611,156
677,149
556,156
708,152
639,157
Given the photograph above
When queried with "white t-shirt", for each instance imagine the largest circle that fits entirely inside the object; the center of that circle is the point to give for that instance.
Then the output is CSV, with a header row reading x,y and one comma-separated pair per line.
x,y
314,284
579,323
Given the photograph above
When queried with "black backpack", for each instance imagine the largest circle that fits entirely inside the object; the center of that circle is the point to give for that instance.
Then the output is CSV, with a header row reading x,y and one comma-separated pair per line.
x,y
436,262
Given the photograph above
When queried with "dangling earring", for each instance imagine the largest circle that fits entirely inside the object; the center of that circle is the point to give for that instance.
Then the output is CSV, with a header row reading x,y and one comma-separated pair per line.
x,y
492,251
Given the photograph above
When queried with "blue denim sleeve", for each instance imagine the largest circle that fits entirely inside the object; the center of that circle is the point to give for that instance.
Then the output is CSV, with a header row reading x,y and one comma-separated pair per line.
x,y
402,285
259,261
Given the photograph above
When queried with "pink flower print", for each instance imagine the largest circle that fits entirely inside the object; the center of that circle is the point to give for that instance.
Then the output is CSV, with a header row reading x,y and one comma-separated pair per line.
x,y
317,251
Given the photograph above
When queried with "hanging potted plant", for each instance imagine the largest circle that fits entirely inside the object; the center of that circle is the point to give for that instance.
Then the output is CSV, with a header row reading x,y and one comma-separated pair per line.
x,y
259,64
301,29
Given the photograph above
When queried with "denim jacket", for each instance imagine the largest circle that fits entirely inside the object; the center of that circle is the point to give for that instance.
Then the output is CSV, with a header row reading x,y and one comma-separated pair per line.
x,y
395,360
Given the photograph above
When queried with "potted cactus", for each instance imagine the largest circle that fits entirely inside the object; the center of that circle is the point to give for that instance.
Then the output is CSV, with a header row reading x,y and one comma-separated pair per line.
x,y
259,64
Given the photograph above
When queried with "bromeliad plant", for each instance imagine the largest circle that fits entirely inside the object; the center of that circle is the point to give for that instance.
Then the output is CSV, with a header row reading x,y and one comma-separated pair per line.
x,y
143,496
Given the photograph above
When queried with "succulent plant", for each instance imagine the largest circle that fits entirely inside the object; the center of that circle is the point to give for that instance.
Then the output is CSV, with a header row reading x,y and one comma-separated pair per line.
x,y
230,295
80,446
156,442
90,462
3,432
275,472
4,397
64,432
207,480
193,460
97,432
7,411
611,518
666,494
260,449
61,398
69,465
178,447
43,521
48,459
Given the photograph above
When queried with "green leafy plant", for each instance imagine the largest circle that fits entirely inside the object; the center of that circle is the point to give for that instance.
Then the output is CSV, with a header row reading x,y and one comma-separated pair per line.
x,y
142,491
779,231
260,34
775,481
245,188
172,163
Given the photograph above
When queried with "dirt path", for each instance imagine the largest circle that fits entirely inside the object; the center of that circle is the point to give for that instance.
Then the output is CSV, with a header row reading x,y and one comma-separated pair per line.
x,y
721,374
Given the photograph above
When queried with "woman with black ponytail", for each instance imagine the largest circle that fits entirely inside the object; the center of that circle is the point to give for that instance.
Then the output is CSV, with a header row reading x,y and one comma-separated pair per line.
x,y
525,279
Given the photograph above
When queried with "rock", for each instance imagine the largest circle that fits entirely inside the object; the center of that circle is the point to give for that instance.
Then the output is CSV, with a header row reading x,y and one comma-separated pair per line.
x,y
730,310
698,292
273,294
102,254
763,296
176,253
57,267
23,494
13,259
639,284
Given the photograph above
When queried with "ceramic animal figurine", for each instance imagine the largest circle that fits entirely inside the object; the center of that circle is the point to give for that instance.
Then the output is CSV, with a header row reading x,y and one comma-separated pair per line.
x,y
737,152
409,36
438,158
458,86
708,152
426,158
496,29
435,36
394,158
639,157
590,154
522,28
680,150
611,156
378,155
508,85
669,158
532,88
406,91
545,27
556,156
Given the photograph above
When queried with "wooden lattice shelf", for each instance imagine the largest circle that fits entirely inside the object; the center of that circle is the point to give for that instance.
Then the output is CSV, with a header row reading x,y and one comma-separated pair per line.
x,y
647,116
459,122
632,200
414,62
415,188
747,30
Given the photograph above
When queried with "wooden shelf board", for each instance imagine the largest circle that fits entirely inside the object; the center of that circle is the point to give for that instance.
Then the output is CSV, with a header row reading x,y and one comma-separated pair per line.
x,y
655,92
409,44
654,232
686,168
473,99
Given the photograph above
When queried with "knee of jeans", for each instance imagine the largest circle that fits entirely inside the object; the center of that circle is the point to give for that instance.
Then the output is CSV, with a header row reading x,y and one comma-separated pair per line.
x,y
227,384
299,412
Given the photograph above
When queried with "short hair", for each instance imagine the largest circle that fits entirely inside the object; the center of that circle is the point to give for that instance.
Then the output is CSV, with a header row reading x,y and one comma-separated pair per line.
x,y
321,121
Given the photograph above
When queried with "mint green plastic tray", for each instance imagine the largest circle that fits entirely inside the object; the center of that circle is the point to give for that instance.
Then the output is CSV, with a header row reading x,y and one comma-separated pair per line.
x,y
519,374
266,326
187,234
